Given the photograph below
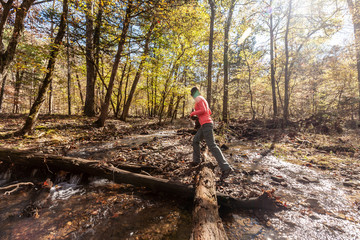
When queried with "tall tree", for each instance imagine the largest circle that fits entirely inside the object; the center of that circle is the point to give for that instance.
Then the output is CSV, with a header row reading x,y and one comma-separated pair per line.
x,y
68,67
226,60
354,8
51,95
2,91
272,61
126,109
248,65
18,81
7,55
314,25
54,51
211,43
105,106
287,75
89,108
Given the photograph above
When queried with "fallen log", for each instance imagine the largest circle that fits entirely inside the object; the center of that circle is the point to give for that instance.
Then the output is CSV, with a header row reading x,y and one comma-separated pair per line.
x,y
96,168
207,224
136,168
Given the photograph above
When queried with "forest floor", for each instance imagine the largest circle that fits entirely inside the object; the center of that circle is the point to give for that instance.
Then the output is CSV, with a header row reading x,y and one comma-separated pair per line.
x,y
316,176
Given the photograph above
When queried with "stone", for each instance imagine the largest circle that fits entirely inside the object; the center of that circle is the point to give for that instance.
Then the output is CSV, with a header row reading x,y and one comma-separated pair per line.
x,y
314,203
311,179
307,179
278,179
284,184
274,183
314,217
254,230
224,147
351,183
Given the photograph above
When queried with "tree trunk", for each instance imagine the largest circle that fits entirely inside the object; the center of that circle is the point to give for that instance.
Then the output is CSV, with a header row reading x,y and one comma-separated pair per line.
x,y
18,81
5,13
226,61
272,64
7,56
155,103
51,96
119,96
164,95
105,170
105,107
127,84
80,91
171,106
355,12
97,33
211,43
176,108
287,74
148,97
138,73
89,108
54,50
253,112
207,224
68,69
2,91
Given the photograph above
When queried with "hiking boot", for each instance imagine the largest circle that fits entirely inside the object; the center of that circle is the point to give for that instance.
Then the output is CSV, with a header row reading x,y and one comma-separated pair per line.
x,y
226,173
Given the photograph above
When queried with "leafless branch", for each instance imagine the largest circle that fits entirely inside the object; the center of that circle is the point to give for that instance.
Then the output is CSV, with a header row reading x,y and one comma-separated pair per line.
x,y
41,2
15,186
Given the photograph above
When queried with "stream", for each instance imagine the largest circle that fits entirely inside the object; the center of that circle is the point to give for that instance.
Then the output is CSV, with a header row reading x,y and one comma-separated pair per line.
x,y
98,210
78,207
320,206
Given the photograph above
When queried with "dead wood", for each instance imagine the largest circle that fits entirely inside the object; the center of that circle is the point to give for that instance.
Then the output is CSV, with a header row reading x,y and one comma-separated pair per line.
x,y
207,222
15,187
136,168
96,168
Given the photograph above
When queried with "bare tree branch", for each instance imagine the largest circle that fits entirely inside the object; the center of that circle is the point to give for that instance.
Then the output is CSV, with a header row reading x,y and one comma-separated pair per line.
x,y
41,2
15,186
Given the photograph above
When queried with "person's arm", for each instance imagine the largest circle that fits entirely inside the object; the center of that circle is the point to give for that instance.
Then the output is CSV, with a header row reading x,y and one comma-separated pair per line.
x,y
202,109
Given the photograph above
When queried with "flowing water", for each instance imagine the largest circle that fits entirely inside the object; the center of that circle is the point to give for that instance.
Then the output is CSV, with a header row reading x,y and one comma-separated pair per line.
x,y
97,210
320,207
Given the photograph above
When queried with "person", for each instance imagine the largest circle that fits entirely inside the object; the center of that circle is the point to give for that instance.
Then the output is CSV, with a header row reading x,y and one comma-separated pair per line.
x,y
203,112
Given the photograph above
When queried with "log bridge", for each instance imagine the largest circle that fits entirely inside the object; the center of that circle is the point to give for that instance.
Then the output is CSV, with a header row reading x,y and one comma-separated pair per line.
x,y
207,223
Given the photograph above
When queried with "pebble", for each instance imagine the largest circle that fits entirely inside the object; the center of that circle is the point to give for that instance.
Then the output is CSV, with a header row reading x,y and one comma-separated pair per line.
x,y
254,230
306,179
314,217
278,179
351,183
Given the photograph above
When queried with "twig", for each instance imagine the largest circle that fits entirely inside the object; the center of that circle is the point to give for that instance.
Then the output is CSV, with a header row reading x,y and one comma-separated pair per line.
x,y
15,186
47,166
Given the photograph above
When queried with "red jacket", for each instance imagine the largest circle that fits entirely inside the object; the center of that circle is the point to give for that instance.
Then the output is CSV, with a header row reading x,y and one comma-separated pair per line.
x,y
202,110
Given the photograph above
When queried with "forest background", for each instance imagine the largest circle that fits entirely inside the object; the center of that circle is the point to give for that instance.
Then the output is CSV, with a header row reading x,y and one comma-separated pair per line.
x,y
252,59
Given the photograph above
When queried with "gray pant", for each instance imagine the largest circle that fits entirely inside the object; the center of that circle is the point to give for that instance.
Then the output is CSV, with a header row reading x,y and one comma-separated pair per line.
x,y
206,132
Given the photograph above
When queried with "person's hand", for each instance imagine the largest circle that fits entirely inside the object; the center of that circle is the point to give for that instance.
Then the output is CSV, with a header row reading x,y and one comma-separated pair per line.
x,y
194,117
